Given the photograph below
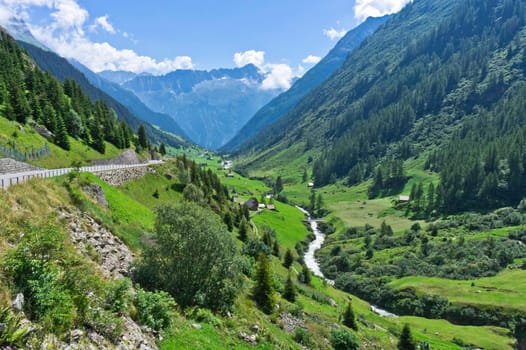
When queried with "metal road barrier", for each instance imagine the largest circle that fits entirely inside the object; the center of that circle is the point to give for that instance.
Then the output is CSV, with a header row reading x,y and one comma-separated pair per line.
x,y
8,180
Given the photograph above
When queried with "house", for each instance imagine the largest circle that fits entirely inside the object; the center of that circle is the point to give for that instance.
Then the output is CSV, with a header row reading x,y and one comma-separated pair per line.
x,y
403,199
271,207
311,184
262,206
252,204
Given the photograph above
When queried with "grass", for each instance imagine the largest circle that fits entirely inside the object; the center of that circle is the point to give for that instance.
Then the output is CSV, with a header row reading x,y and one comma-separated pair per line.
x,y
26,138
288,223
506,290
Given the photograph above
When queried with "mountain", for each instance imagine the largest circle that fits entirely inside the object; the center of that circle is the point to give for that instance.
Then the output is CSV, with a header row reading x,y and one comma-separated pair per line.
x,y
210,106
62,69
286,101
19,30
118,77
129,100
442,81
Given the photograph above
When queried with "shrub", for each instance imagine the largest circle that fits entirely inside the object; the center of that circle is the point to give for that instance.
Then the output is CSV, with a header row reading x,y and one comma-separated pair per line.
x,y
154,309
344,340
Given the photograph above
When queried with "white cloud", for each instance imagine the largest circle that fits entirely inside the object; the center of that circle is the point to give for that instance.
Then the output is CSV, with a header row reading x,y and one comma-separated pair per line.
x,y
280,76
277,75
257,58
64,33
334,34
376,8
104,24
311,59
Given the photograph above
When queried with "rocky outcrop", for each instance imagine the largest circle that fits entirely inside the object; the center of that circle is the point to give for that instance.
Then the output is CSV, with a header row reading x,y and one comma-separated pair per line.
x,y
95,191
290,323
120,176
98,244
11,166
133,337
125,158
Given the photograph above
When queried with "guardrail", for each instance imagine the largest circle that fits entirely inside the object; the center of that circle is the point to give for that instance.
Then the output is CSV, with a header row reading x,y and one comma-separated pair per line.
x,y
8,180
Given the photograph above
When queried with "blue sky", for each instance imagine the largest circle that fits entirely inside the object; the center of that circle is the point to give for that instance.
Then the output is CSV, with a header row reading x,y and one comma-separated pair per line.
x,y
284,37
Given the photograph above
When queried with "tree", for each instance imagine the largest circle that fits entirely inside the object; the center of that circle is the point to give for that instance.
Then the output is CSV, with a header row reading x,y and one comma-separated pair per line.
x,y
194,258
406,341
143,140
61,135
305,275
289,292
305,176
243,230
278,187
263,290
349,319
288,259
162,149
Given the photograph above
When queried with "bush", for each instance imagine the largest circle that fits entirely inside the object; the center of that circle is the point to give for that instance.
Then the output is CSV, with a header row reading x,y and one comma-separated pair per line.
x,y
344,340
154,309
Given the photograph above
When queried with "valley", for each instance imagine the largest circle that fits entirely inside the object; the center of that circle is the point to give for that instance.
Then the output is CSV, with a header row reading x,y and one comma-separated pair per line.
x,y
373,198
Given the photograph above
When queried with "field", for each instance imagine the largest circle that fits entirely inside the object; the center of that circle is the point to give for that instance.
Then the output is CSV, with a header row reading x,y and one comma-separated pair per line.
x,y
506,290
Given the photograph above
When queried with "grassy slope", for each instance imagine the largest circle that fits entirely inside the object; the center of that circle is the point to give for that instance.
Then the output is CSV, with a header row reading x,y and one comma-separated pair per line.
x,y
58,158
223,333
507,289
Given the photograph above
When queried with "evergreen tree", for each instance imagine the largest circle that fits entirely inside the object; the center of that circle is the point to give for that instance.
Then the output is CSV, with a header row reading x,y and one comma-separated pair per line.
x,y
288,259
162,149
289,292
306,277
305,176
263,290
243,231
143,140
227,219
349,319
276,249
406,341
61,135
278,187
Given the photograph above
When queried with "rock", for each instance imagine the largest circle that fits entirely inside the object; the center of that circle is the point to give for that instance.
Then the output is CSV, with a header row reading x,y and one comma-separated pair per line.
x,y
290,323
196,325
251,339
75,335
95,191
18,303
333,303
255,328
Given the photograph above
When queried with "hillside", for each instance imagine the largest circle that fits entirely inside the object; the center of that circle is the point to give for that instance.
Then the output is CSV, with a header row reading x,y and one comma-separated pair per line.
x,y
210,106
282,104
62,69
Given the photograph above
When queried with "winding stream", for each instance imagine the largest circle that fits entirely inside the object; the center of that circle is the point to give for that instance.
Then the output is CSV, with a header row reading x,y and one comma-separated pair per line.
x,y
314,266
310,258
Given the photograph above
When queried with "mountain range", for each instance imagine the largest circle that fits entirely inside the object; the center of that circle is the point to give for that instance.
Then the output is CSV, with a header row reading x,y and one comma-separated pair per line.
x,y
210,106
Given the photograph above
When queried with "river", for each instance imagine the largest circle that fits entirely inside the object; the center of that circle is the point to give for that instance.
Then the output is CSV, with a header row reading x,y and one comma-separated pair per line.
x,y
310,257
314,266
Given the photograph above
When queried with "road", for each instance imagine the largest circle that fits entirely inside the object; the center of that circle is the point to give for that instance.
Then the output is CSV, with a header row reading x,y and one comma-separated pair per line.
x,y
7,180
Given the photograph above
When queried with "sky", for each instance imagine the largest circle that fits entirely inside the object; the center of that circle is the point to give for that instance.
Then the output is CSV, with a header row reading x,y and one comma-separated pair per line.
x,y
284,38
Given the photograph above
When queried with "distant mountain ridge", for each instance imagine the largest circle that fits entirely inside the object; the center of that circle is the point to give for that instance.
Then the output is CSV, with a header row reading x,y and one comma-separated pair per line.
x,y
283,103
128,99
62,69
210,106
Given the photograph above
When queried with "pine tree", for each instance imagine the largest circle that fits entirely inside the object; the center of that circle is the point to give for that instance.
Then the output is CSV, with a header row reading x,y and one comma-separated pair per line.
x,y
243,231
61,135
143,140
406,341
349,319
305,275
276,249
263,290
278,187
305,176
227,219
288,259
289,292
162,149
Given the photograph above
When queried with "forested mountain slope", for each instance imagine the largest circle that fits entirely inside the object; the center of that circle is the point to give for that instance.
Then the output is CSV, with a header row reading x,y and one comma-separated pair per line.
x,y
282,104
62,69
59,111
442,76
